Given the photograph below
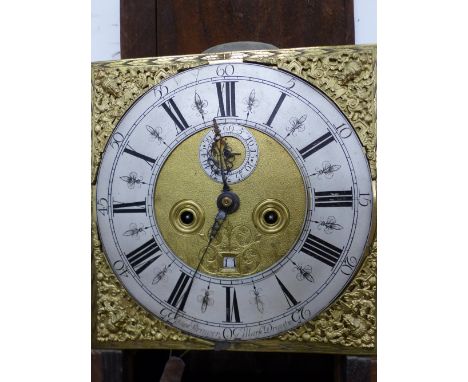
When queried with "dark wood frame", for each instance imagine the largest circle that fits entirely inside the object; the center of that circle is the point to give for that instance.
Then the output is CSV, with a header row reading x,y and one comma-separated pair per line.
x,y
151,28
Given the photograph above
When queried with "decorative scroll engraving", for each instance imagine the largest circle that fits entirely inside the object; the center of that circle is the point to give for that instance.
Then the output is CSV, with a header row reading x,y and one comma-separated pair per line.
x,y
351,320
114,89
236,243
348,76
120,319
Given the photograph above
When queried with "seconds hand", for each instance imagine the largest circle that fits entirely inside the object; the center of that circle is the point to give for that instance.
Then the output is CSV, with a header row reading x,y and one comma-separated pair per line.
x,y
228,202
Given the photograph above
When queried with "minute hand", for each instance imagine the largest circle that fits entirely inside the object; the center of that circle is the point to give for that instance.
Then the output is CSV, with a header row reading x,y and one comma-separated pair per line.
x,y
219,219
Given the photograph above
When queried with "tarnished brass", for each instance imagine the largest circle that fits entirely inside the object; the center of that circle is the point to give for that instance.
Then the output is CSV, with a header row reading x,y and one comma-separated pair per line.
x,y
346,74
226,201
182,178
189,206
270,205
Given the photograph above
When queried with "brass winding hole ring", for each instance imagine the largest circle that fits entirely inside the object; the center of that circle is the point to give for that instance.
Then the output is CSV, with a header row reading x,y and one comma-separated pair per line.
x,y
263,208
187,206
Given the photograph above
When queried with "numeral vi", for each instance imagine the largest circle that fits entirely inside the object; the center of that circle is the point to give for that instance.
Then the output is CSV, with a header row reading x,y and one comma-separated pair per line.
x,y
232,307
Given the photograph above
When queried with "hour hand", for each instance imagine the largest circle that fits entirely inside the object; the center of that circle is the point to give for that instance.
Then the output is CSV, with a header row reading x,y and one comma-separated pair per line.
x,y
228,202
219,219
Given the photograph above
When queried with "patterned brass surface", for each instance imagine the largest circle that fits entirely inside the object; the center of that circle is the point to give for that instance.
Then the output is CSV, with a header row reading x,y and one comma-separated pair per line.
x,y
186,206
347,74
276,173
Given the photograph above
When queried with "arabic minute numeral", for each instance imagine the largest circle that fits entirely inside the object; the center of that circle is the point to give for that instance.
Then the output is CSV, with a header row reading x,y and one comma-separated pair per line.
x,y
225,70
348,265
291,82
120,268
103,206
160,91
364,200
344,131
117,139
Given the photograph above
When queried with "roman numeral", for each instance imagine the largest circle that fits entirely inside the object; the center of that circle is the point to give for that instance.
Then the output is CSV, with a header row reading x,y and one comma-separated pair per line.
x,y
127,208
334,198
147,159
227,103
179,294
232,308
275,110
316,145
145,255
289,297
321,250
178,118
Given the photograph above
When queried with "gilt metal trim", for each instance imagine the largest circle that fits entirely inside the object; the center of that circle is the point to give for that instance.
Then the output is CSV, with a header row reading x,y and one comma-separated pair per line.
x,y
347,74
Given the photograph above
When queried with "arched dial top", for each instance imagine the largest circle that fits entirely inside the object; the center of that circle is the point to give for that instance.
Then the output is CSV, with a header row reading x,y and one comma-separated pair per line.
x,y
303,182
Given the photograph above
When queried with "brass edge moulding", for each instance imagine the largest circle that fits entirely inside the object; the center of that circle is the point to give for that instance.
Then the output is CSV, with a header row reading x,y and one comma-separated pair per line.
x,y
346,74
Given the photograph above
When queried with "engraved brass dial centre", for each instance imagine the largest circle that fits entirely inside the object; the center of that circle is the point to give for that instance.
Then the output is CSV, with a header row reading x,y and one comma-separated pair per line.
x,y
245,239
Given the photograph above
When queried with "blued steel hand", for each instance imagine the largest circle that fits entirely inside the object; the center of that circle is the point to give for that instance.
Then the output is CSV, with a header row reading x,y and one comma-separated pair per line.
x,y
219,219
230,207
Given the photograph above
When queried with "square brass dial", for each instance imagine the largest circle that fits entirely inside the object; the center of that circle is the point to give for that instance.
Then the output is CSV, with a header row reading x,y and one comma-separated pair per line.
x,y
346,74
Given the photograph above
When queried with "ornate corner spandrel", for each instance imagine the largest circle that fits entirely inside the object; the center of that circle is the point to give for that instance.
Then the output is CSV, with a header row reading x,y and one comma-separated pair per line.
x,y
115,86
351,320
119,320
348,76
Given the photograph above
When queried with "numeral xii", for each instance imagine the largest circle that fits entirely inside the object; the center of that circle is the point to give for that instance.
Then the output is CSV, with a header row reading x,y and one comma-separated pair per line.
x,y
227,101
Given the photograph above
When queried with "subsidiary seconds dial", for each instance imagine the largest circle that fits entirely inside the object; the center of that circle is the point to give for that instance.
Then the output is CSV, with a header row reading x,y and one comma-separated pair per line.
x,y
304,207
240,153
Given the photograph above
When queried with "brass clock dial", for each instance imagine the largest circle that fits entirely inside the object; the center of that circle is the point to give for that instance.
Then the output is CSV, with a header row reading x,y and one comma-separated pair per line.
x,y
304,195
